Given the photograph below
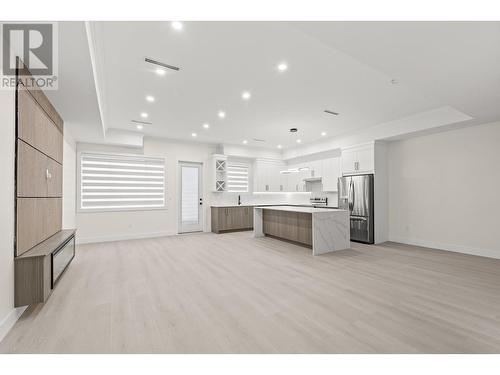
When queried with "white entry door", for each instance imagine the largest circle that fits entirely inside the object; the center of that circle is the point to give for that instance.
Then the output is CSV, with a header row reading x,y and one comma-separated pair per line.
x,y
191,198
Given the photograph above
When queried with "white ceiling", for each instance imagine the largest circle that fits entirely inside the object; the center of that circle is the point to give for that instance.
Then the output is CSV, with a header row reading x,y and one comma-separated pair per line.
x,y
75,98
346,67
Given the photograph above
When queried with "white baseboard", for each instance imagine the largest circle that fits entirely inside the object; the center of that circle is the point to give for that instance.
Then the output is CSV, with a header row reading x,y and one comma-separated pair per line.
x,y
447,247
8,322
121,237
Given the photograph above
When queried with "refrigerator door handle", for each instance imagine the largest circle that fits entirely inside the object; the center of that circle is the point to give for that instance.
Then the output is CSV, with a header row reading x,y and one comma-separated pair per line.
x,y
351,195
360,218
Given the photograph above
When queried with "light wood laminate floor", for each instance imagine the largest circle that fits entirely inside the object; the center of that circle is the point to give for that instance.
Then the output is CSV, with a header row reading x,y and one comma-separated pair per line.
x,y
232,293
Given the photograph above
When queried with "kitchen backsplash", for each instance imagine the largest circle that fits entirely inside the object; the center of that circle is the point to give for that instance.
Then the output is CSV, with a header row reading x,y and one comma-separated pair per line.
x,y
269,198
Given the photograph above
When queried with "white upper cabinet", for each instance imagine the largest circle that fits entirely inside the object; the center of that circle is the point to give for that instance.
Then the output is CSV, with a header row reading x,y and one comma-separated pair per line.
x,y
218,168
316,168
283,186
330,174
267,176
358,159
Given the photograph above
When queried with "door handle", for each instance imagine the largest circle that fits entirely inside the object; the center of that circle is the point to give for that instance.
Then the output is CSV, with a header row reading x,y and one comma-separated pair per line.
x,y
201,201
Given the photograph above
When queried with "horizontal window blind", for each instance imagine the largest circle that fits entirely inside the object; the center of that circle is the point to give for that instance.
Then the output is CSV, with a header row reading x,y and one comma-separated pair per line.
x,y
114,182
237,177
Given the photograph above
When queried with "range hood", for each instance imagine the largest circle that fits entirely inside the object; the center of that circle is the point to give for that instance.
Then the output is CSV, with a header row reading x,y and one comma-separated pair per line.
x,y
312,179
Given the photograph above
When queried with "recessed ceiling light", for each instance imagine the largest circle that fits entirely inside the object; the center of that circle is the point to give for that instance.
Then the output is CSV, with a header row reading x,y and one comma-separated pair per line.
x,y
193,134
206,126
245,142
246,95
150,98
394,81
160,72
298,140
176,25
139,127
280,146
323,134
222,114
282,67
144,115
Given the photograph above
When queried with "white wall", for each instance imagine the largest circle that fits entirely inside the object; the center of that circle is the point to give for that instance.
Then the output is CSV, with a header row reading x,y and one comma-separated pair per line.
x,y
108,226
250,152
69,182
444,190
8,315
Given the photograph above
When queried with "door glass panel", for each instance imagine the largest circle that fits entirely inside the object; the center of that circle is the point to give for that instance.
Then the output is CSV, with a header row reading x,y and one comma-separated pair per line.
x,y
190,195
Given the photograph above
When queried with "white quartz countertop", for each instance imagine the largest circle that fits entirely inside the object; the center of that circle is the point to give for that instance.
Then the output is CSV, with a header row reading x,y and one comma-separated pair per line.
x,y
309,210
263,205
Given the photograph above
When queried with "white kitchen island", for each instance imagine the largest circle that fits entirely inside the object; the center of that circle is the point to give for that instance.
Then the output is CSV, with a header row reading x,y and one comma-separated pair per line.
x,y
322,229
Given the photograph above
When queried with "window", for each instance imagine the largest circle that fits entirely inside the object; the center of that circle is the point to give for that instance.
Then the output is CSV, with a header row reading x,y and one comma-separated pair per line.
x,y
237,177
117,182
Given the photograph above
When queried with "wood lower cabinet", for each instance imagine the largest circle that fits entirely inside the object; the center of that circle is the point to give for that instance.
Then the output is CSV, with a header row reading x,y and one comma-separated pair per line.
x,y
292,226
37,270
235,218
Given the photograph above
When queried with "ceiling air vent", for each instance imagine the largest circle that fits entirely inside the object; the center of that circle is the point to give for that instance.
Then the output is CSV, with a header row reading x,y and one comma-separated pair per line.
x,y
159,63
141,122
258,140
331,112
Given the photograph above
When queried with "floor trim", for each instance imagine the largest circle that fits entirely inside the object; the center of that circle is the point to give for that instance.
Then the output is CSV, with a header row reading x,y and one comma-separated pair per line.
x,y
122,237
8,322
447,247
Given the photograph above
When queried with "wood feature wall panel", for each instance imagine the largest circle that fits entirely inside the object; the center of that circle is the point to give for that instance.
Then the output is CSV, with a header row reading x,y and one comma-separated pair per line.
x,y
39,158
54,183
36,128
41,99
37,220
31,167
32,177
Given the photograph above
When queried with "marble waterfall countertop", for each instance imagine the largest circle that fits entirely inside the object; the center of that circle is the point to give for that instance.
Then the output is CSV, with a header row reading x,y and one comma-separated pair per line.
x,y
330,227
306,209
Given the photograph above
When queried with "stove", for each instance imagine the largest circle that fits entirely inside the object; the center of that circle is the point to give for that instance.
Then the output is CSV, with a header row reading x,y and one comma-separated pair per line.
x,y
318,201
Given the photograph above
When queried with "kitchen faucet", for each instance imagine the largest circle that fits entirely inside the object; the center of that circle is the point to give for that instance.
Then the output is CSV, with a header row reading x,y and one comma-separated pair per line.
x,y
239,200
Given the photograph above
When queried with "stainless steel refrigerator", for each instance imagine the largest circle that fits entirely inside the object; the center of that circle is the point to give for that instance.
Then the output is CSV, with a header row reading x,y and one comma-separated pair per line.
x,y
356,195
